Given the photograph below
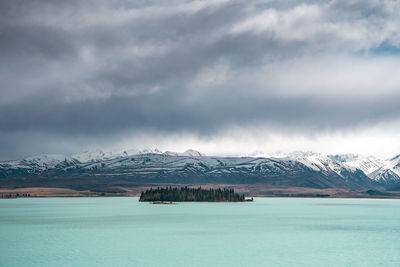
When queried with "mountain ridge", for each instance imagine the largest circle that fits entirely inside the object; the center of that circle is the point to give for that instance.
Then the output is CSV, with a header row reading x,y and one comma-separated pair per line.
x,y
306,169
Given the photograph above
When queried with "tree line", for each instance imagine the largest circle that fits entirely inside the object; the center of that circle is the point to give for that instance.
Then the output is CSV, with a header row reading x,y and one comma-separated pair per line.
x,y
175,194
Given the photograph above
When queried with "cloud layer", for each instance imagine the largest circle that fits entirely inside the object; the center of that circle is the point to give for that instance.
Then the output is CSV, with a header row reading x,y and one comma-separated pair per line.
x,y
93,72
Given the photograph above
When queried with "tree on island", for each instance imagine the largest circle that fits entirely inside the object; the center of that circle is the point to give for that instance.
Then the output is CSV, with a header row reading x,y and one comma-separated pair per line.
x,y
175,194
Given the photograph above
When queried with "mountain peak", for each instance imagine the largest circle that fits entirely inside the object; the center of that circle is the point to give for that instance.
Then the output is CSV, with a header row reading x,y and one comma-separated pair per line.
x,y
345,157
191,153
92,155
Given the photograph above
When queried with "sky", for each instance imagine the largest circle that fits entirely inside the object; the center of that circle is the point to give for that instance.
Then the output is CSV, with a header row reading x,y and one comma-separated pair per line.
x,y
223,77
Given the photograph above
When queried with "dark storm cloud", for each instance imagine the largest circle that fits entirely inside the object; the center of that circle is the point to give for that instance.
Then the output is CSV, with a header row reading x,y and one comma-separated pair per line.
x,y
94,68
166,113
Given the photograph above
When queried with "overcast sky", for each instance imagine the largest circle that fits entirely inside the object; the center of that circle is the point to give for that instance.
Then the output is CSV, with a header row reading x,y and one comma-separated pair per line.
x,y
222,77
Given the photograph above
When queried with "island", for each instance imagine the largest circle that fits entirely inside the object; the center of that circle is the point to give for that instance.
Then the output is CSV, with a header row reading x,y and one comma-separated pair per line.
x,y
186,194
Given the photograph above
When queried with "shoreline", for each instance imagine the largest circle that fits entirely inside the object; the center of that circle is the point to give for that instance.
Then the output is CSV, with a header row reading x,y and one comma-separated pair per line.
x,y
248,190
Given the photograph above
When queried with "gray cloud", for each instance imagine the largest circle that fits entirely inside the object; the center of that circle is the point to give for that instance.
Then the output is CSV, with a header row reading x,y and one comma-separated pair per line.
x,y
92,70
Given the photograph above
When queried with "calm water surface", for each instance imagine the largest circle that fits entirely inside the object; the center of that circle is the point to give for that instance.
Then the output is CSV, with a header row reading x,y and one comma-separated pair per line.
x,y
267,232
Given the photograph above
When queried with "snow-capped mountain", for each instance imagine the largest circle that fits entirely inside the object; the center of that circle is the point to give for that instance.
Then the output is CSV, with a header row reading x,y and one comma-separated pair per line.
x,y
94,155
368,164
191,153
383,171
36,164
389,172
154,166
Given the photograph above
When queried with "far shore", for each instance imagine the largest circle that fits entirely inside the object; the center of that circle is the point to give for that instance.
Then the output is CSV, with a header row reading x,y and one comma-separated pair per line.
x,y
253,190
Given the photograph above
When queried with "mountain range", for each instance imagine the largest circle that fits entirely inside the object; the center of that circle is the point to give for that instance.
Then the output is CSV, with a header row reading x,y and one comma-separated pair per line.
x,y
301,169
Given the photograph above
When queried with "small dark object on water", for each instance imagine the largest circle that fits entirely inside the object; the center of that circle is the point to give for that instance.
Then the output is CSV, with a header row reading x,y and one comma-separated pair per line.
x,y
162,202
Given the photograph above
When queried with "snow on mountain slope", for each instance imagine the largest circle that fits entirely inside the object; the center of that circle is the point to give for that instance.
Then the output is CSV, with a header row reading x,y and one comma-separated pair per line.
x,y
386,176
383,171
187,153
191,153
312,171
389,172
51,160
322,163
295,169
35,165
367,164
171,153
344,157
42,162
317,162
93,155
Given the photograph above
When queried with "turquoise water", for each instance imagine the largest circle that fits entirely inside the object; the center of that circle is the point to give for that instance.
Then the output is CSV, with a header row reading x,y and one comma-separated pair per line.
x,y
267,232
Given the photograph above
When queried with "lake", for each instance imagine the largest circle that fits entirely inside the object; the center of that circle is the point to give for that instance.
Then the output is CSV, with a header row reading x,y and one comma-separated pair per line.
x,y
266,232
